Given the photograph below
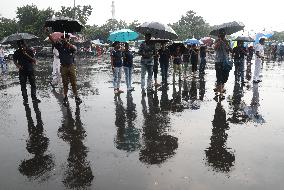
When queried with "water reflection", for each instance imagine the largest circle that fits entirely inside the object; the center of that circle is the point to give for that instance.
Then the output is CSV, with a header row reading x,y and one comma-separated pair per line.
x,y
218,155
176,103
252,111
237,106
41,165
158,145
202,86
127,137
78,173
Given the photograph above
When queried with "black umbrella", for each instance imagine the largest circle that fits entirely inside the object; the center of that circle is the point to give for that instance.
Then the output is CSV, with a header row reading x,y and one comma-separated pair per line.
x,y
229,28
244,39
157,30
64,24
18,36
159,41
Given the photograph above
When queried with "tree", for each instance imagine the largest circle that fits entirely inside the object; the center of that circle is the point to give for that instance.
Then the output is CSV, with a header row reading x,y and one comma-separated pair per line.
x,y
190,26
278,36
110,26
31,19
7,27
81,13
134,24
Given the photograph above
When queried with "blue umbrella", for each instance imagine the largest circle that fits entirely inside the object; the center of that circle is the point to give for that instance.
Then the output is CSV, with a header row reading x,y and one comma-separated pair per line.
x,y
123,35
192,41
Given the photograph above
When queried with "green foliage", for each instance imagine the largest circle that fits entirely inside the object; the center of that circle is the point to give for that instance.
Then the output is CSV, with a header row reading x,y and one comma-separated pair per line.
x,y
81,13
278,36
190,26
7,27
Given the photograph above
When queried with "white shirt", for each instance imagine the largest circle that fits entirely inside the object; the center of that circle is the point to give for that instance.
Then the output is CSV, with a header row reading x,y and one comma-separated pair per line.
x,y
260,49
2,52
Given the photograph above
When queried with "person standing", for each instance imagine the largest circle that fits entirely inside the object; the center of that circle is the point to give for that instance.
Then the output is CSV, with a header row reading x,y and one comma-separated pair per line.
x,y
67,66
156,69
194,58
222,49
202,65
239,53
24,60
147,51
128,67
55,67
177,62
116,64
186,58
164,59
259,53
2,59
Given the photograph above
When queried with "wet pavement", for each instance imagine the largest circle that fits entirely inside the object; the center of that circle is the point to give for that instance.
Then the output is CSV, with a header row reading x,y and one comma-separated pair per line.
x,y
181,138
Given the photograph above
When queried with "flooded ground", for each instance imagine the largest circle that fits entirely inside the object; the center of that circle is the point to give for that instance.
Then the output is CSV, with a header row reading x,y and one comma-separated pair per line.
x,y
176,139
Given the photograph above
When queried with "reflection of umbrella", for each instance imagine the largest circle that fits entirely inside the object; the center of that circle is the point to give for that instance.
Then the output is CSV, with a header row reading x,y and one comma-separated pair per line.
x,y
244,39
64,24
229,27
123,35
192,41
18,36
157,30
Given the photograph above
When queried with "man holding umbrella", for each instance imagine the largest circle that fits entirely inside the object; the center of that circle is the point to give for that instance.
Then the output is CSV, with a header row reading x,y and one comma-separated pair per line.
x,y
147,51
68,71
24,60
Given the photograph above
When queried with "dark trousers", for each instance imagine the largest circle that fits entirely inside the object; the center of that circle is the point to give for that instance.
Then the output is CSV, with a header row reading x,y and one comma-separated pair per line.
x,y
202,65
221,74
155,69
164,71
24,76
194,65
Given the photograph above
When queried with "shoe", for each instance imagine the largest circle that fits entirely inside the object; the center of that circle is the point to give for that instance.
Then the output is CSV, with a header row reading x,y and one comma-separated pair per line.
x,y
65,101
78,100
36,100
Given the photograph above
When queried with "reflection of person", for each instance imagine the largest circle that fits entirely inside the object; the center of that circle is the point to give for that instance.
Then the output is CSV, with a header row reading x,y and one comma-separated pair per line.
x,y
186,58
116,64
128,67
222,49
249,58
239,53
41,164
158,145
177,62
194,58
24,60
202,90
79,173
202,65
218,155
55,66
147,51
67,69
259,53
128,137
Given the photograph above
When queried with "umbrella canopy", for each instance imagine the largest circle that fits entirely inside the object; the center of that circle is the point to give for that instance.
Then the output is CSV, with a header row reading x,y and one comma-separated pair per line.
x,y
229,27
157,30
244,39
56,36
159,41
192,41
207,41
64,24
18,36
123,35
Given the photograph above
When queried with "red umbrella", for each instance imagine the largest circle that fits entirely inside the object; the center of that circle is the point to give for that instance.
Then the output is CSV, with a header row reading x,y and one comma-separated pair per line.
x,y
56,36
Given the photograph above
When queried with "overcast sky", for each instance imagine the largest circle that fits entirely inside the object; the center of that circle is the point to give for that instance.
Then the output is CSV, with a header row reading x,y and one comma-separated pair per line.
x,y
255,14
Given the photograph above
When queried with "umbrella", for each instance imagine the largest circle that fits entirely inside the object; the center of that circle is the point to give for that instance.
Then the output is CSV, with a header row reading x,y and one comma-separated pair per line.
x,y
157,30
18,36
56,36
207,41
64,24
159,41
192,41
229,27
123,35
244,39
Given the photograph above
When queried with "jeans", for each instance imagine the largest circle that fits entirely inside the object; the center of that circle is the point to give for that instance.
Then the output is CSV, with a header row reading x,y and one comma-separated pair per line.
x,y
116,77
23,77
202,64
164,72
239,69
128,77
68,73
149,69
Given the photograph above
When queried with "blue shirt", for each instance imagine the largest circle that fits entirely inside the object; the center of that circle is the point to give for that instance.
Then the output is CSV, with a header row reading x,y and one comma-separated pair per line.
x,y
117,58
66,54
127,59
